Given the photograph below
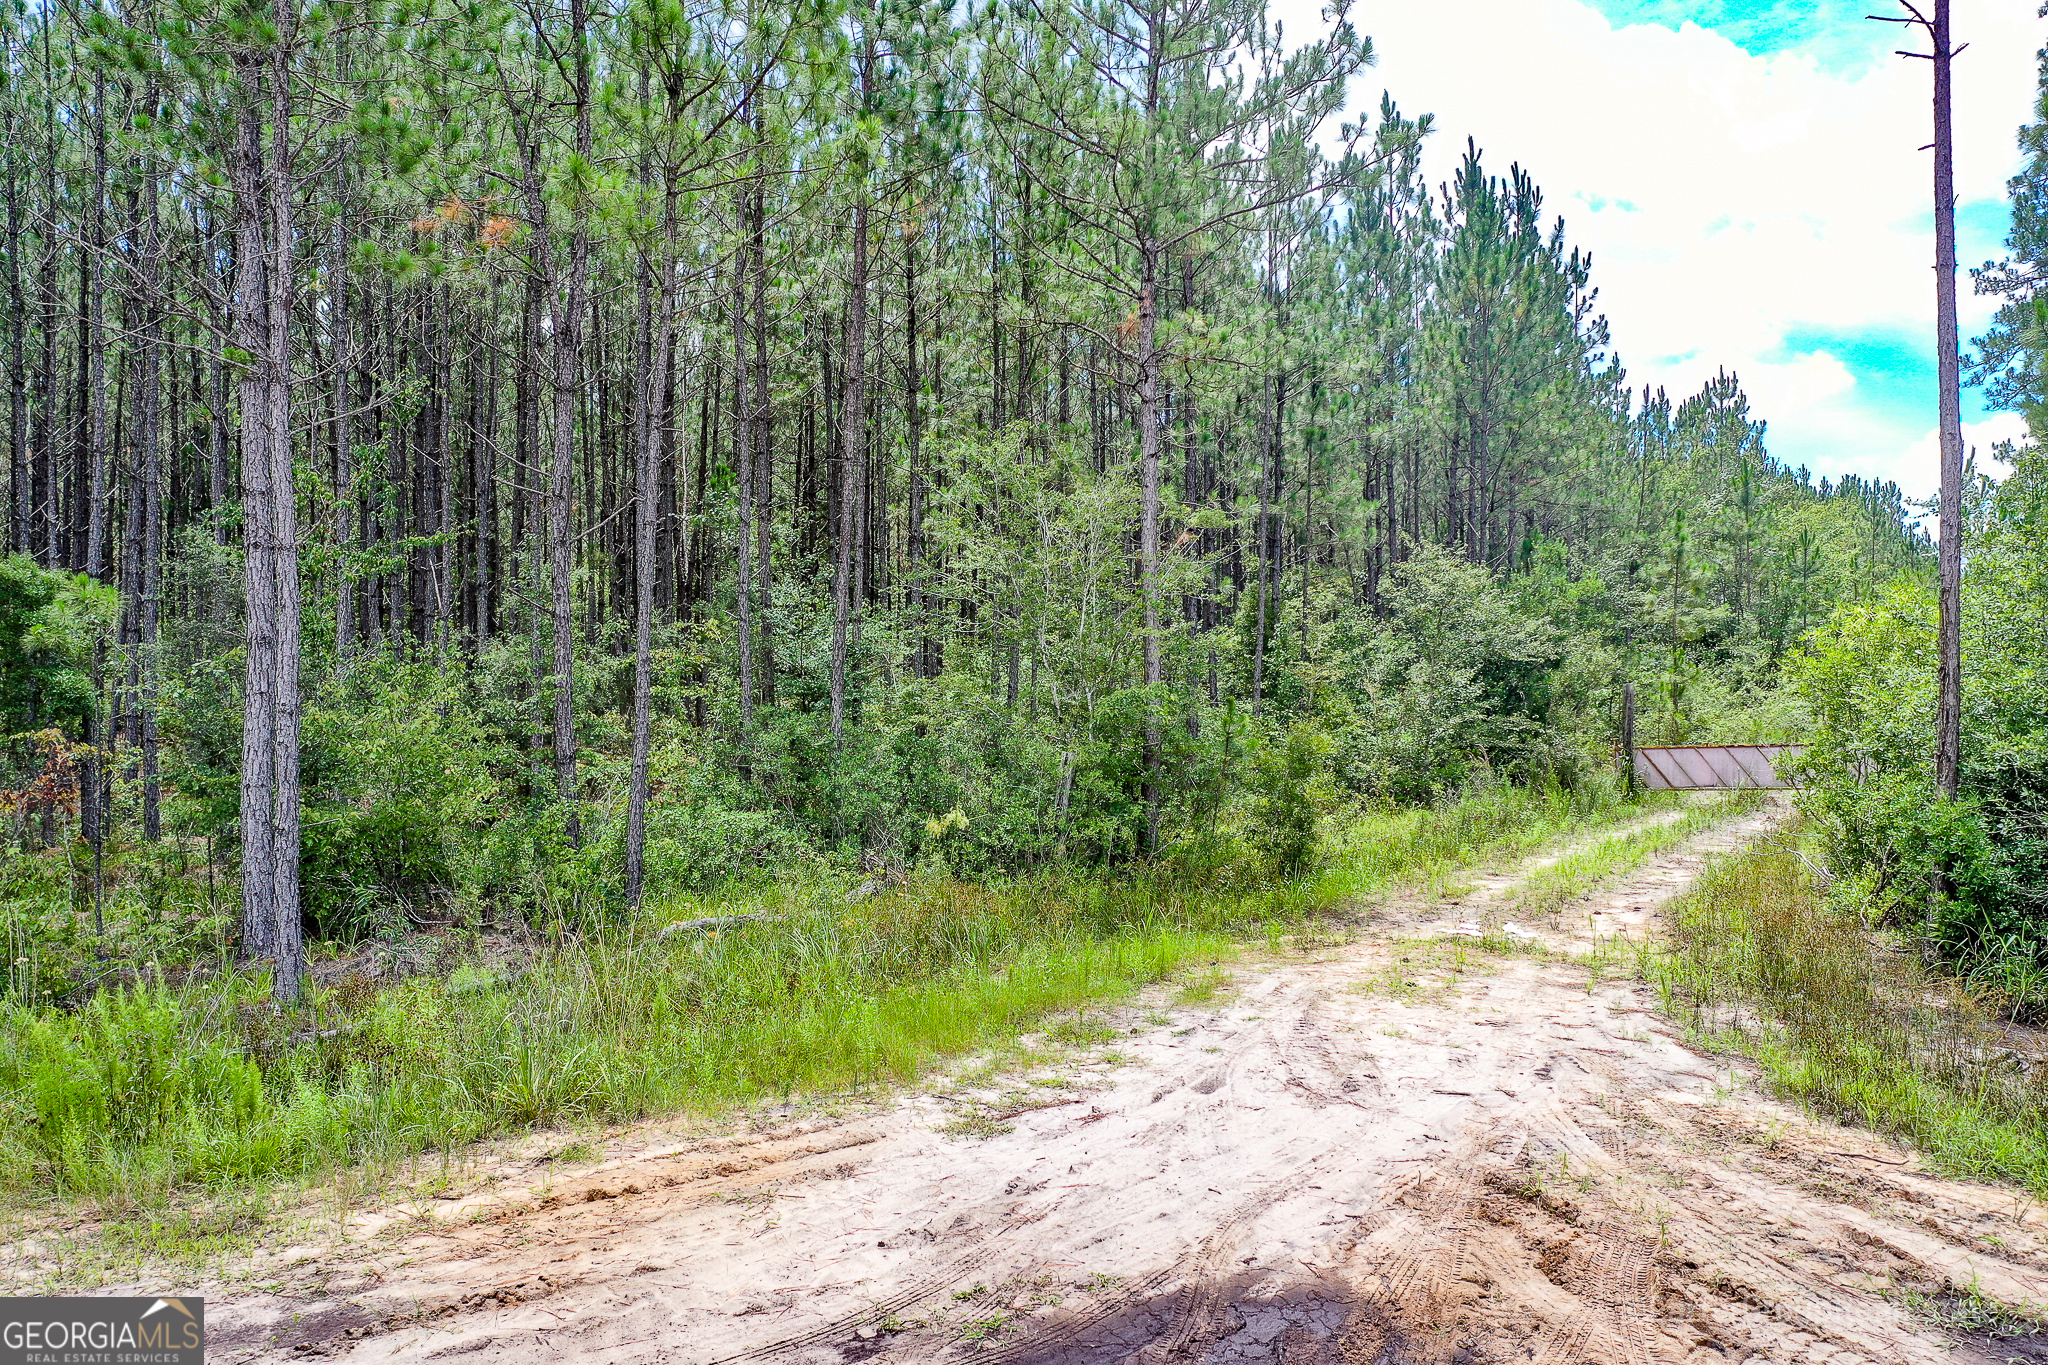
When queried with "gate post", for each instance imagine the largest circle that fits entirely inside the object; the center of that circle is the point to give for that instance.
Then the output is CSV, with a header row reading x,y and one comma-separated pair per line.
x,y
1628,737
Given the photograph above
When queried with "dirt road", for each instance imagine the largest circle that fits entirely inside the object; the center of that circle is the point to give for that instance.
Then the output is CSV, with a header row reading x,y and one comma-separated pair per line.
x,y
1401,1148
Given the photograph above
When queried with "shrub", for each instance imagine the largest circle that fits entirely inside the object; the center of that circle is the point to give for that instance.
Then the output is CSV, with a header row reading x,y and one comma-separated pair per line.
x,y
1294,789
396,794
48,623
1869,677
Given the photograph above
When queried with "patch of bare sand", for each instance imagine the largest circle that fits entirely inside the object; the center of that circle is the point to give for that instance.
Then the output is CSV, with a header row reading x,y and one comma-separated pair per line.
x,y
1398,1150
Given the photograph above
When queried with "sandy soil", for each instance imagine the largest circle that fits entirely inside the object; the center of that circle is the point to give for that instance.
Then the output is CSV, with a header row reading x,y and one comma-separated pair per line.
x,y
1401,1148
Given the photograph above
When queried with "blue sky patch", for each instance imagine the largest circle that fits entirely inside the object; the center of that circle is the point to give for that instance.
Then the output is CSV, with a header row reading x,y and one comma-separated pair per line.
x,y
1894,369
1832,32
1981,225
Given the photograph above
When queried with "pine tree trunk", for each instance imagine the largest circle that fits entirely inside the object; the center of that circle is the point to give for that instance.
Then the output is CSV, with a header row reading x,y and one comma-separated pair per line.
x,y
1148,523
743,476
216,431
763,438
259,538
264,236
344,429
20,490
152,491
1269,497
95,357
43,515
1949,710
913,404
443,472
852,469
569,318
652,416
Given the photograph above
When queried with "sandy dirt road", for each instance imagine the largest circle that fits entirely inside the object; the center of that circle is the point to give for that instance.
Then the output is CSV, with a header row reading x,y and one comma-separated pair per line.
x,y
1368,1151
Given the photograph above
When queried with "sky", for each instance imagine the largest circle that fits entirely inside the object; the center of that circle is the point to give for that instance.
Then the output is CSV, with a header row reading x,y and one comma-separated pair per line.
x,y
1746,175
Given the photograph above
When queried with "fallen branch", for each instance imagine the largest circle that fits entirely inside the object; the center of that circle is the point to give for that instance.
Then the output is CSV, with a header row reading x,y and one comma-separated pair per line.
x,y
1030,1109
700,926
1865,1156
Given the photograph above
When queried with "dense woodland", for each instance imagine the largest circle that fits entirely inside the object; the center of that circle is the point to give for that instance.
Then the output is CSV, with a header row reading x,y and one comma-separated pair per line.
x,y
486,458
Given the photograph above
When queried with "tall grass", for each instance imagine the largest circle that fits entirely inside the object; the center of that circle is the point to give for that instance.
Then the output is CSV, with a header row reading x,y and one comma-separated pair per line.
x,y
1764,963
1549,889
158,1086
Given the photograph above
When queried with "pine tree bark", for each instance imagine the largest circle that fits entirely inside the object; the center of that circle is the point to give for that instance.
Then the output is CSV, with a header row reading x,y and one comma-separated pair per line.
x,y
743,476
1148,522
923,659
216,422
19,487
568,310
568,366
149,571
1948,723
846,592
344,425
762,419
43,515
652,416
1268,427
264,237
95,357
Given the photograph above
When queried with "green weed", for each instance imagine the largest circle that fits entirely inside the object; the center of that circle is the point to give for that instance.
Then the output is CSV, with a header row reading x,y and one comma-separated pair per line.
x,y
1420,969
1968,1311
981,1329
1763,963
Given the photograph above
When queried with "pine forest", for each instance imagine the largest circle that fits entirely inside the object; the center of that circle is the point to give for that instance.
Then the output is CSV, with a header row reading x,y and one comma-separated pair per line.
x,y
569,561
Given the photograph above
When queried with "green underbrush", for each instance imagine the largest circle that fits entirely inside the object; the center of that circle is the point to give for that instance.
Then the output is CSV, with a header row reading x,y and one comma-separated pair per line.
x,y
1846,1019
163,1083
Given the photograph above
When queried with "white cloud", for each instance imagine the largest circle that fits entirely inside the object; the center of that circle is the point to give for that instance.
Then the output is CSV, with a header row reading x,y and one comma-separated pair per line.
x,y
1731,201
1920,462
1805,381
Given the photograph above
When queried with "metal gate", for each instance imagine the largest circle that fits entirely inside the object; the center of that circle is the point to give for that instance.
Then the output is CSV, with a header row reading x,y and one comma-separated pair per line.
x,y
1712,767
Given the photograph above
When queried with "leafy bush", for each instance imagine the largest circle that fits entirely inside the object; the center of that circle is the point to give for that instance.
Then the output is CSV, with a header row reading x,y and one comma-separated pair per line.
x,y
1294,790
1869,678
396,794
1458,675
154,914
697,848
49,622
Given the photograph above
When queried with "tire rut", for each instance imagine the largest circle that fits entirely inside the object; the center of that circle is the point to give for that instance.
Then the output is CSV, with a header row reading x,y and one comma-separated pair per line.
x,y
942,1281
1516,1166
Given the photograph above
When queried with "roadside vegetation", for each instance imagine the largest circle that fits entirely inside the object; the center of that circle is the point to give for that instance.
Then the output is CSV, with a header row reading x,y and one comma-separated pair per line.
x,y
1965,879
1968,877
190,1077
1769,961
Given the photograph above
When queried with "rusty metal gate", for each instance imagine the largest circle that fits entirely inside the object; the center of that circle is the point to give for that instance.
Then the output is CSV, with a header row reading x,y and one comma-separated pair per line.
x,y
1712,767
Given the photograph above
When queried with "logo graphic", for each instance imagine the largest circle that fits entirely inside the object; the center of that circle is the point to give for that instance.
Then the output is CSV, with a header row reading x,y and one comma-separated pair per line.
x,y
165,1331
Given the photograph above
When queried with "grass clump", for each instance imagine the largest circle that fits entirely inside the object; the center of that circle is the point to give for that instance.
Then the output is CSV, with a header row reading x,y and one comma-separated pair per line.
x,y
166,1084
1431,969
1763,962
1549,889
1968,1311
